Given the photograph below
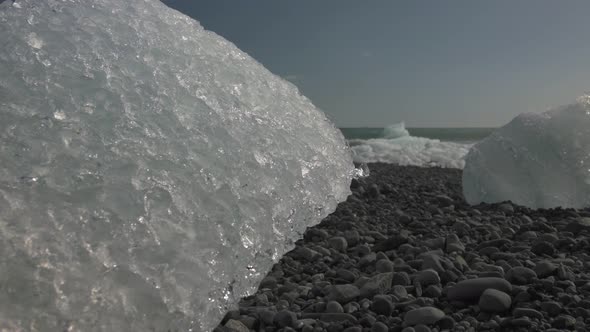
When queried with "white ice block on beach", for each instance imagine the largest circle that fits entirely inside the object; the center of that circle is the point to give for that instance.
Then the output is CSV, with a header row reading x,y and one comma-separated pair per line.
x,y
151,173
536,160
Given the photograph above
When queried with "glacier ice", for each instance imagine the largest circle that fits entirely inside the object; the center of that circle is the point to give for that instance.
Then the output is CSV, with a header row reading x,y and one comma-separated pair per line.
x,y
151,172
398,147
536,160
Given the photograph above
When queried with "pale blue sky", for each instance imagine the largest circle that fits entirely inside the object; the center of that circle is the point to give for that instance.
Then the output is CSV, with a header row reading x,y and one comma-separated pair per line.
x,y
428,63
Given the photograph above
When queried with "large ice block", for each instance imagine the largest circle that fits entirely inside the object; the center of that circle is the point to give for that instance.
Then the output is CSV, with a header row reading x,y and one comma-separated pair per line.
x,y
150,172
536,160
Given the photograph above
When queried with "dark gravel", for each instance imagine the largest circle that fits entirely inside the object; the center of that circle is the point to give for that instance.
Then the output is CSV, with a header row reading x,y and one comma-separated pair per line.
x,y
406,253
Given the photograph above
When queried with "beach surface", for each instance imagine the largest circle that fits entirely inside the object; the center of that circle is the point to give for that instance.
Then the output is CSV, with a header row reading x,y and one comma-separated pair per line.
x,y
405,252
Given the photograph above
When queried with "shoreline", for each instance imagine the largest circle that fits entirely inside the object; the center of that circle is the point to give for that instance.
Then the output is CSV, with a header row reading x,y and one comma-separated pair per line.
x,y
395,256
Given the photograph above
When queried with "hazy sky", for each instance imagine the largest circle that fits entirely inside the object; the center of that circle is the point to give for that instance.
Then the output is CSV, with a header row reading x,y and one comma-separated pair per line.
x,y
428,63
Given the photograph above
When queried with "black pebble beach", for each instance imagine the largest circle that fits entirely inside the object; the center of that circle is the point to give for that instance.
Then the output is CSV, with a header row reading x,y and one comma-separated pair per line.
x,y
405,252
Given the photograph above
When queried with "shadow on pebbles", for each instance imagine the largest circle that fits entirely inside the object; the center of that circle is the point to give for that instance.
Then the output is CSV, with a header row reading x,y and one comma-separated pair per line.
x,y
406,253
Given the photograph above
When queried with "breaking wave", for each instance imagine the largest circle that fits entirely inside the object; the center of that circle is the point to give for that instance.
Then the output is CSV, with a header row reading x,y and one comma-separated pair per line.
x,y
396,146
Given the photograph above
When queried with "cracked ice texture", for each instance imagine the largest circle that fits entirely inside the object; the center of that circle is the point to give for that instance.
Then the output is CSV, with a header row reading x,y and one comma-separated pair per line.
x,y
536,160
151,172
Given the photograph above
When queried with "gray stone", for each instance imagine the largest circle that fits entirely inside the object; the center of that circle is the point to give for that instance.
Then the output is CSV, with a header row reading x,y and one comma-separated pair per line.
x,y
564,322
543,248
342,293
248,321
421,328
353,329
401,278
338,243
400,291
378,284
446,323
368,259
433,291
306,253
352,237
524,321
453,244
444,200
334,307
520,275
269,282
428,277
528,312
285,318
236,326
493,300
551,307
437,243
391,243
267,316
545,268
424,315
384,265
432,261
330,317
346,275
578,225
382,305
403,218
379,327
506,207
316,234
471,289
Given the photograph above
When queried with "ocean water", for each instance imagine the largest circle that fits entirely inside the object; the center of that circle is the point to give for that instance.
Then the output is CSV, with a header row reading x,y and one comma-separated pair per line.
x,y
428,147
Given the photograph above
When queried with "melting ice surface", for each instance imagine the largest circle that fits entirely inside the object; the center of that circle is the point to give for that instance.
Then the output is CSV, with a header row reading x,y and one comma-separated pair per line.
x,y
398,147
151,173
536,160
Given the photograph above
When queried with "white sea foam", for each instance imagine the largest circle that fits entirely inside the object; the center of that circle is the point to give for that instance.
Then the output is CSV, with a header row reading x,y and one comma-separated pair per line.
x,y
398,147
395,130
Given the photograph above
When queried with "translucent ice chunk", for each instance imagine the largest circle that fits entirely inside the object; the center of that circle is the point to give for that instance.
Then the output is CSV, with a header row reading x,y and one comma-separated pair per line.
x,y
536,160
150,172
